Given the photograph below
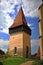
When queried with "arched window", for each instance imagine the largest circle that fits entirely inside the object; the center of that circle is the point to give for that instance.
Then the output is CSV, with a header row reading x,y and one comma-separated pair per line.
x,y
15,50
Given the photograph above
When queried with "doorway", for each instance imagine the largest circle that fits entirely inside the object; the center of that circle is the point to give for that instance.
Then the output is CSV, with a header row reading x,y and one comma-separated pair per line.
x,y
26,51
15,50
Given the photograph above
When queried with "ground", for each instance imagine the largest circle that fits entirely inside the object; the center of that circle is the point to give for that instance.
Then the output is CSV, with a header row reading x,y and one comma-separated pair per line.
x,y
20,61
27,63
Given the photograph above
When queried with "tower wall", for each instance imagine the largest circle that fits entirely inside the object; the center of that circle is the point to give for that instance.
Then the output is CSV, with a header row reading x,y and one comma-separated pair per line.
x,y
16,40
41,30
41,39
20,40
26,43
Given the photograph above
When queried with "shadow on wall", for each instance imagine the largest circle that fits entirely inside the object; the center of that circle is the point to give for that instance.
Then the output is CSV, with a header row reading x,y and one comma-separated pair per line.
x,y
1,63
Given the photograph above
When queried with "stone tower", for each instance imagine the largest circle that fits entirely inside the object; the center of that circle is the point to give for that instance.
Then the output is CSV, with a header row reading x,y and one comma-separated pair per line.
x,y
19,43
41,30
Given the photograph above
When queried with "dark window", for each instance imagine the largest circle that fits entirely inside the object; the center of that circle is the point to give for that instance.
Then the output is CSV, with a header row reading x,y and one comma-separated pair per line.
x,y
15,50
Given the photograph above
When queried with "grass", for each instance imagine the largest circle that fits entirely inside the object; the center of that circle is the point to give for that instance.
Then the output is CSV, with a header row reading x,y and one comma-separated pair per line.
x,y
38,62
18,60
13,61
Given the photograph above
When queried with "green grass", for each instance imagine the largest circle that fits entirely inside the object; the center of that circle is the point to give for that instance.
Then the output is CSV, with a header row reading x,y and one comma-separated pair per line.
x,y
38,62
13,61
18,60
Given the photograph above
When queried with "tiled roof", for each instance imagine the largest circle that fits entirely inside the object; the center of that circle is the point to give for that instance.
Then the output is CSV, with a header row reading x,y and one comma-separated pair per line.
x,y
19,20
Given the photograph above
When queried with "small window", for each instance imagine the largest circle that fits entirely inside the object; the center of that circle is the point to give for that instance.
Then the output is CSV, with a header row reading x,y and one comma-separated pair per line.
x,y
15,50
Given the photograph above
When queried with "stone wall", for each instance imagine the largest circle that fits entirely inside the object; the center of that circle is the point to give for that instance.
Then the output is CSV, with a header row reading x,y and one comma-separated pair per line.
x,y
16,40
26,43
19,40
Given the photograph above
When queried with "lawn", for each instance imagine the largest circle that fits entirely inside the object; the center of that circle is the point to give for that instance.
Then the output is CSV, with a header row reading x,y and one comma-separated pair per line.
x,y
18,60
13,61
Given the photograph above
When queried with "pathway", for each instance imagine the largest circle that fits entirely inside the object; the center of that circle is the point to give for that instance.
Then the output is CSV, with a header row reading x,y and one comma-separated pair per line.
x,y
27,63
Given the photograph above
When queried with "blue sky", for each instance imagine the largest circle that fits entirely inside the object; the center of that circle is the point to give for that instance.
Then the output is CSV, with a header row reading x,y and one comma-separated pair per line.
x,y
8,12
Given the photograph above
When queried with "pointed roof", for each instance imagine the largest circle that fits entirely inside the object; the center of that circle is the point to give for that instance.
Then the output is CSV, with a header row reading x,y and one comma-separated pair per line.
x,y
20,19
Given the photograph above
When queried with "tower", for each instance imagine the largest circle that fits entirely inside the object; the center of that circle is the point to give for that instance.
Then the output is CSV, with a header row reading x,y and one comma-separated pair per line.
x,y
41,30
19,43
